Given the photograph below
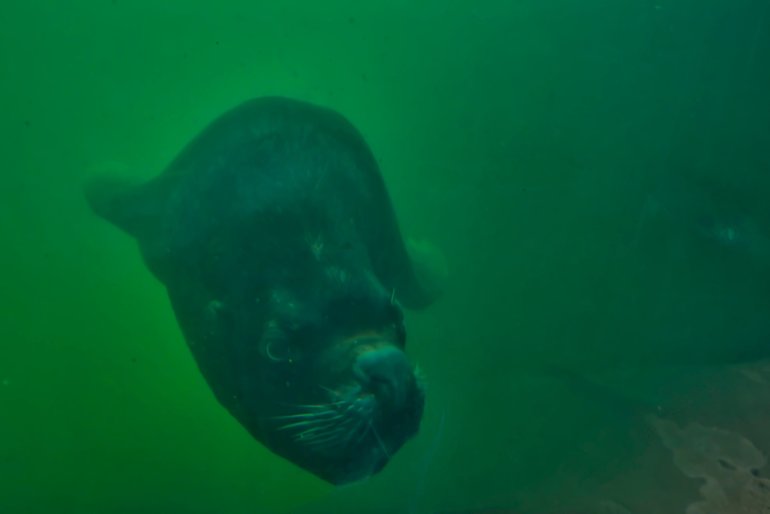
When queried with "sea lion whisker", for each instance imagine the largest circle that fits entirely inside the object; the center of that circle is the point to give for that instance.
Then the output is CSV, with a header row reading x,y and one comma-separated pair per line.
x,y
324,439
332,392
349,419
318,406
357,431
379,440
317,431
322,426
310,418
309,424
363,408
361,431
308,415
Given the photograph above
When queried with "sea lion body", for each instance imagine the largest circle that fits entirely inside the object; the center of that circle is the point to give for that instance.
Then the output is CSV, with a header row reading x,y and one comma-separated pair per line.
x,y
275,237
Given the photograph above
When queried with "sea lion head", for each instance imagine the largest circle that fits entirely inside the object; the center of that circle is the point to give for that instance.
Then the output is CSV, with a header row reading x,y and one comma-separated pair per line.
x,y
343,397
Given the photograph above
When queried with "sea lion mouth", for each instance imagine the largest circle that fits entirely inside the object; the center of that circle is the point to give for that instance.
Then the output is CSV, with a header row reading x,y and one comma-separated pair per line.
x,y
375,412
360,415
386,373
346,422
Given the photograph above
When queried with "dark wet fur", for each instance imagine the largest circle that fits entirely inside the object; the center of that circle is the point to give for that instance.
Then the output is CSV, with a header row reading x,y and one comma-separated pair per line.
x,y
275,237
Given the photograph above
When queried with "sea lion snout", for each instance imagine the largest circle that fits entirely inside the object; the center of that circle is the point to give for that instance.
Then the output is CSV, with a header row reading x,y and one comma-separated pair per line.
x,y
386,373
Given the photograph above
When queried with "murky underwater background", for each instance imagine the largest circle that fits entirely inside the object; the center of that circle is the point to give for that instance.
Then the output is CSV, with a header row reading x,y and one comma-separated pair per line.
x,y
597,175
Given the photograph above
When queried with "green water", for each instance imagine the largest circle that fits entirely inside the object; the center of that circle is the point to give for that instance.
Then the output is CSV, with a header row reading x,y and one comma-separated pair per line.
x,y
596,173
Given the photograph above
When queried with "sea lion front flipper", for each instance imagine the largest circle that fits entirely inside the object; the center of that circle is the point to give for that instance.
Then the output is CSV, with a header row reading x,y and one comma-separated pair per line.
x,y
430,267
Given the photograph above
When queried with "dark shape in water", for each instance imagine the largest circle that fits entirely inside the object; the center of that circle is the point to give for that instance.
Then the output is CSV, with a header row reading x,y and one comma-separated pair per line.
x,y
708,241
712,212
276,240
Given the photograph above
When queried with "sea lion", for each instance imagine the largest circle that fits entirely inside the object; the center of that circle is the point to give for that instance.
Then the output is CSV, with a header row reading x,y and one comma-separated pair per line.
x,y
275,237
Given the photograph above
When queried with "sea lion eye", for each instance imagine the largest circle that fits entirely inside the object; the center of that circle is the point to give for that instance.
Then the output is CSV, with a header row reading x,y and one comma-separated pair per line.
x,y
274,343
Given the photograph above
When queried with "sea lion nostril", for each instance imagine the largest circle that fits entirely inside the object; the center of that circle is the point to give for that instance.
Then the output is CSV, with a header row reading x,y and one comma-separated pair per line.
x,y
383,363
386,373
